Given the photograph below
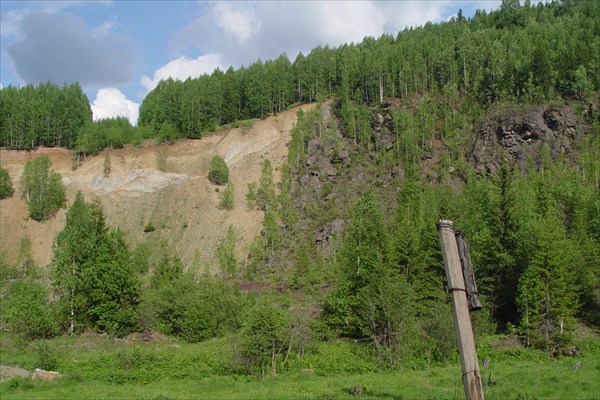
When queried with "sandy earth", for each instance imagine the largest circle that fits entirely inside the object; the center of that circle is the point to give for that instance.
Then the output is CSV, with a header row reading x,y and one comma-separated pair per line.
x,y
163,184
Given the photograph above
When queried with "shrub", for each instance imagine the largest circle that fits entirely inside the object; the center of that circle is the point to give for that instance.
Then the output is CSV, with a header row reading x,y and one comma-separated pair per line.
x,y
265,333
226,200
28,311
218,172
6,187
251,195
195,311
46,356
107,166
149,227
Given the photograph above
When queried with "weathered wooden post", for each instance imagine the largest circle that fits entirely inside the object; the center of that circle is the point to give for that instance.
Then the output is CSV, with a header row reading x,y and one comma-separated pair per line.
x,y
468,273
462,320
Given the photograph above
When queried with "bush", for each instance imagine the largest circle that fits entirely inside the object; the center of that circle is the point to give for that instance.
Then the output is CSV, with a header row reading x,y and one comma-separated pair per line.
x,y
265,334
218,172
107,167
226,199
149,227
6,187
46,356
251,195
28,311
194,311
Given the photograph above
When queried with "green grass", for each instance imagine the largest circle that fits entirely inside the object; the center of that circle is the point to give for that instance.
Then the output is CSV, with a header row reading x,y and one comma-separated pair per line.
x,y
106,368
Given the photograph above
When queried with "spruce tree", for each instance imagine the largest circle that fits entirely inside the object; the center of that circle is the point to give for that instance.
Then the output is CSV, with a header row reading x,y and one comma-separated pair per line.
x,y
92,273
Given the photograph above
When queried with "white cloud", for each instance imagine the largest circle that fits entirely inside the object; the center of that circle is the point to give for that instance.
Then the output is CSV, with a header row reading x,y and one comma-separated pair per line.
x,y
235,20
183,68
110,103
340,22
245,32
62,48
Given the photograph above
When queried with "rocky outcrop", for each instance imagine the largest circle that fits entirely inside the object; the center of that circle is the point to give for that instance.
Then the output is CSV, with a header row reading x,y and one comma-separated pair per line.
x,y
8,372
516,135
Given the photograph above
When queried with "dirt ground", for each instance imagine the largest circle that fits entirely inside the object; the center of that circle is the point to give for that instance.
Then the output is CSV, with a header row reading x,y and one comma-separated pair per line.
x,y
163,184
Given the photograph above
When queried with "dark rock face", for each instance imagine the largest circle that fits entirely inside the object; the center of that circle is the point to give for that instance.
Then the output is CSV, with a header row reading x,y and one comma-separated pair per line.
x,y
515,136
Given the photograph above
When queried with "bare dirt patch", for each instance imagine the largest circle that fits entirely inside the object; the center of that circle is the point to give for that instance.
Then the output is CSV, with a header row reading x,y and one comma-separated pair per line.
x,y
164,184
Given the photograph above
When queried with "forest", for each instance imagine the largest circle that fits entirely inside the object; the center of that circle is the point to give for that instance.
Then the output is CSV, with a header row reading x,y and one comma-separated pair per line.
x,y
518,53
348,259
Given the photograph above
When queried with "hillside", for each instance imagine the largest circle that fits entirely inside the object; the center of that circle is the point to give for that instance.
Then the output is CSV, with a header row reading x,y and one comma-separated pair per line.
x,y
165,184
335,268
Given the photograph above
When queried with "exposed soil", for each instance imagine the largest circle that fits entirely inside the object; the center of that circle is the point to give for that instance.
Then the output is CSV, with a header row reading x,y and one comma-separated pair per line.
x,y
164,184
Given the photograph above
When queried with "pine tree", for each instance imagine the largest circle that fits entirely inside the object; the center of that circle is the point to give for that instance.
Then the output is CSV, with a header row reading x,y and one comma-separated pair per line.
x,y
547,296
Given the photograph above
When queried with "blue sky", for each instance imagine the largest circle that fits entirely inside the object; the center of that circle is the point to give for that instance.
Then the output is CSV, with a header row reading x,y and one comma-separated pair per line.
x,y
119,50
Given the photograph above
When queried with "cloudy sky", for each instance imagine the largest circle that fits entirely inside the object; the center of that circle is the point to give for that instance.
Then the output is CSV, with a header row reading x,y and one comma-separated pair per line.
x,y
120,50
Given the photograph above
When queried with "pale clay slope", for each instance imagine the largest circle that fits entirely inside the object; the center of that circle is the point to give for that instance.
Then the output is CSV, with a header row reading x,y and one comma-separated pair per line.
x,y
165,184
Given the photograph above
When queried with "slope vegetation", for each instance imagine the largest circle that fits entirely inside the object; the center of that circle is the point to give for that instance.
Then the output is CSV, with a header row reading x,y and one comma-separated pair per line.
x,y
165,185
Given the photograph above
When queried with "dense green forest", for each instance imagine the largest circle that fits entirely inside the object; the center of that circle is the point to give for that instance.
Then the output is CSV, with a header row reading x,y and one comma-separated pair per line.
x,y
386,153
528,53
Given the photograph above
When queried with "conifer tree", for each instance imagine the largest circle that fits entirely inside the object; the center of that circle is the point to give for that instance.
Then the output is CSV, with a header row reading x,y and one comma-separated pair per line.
x,y
92,273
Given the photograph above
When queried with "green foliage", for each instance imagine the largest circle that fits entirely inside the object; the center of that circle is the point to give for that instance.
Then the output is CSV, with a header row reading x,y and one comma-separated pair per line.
x,y
8,271
43,188
168,270
341,357
218,172
149,227
226,254
502,55
107,166
226,198
547,296
6,187
265,194
28,310
43,115
24,261
46,355
264,337
193,310
92,273
109,132
167,133
251,195
362,267
140,257
99,367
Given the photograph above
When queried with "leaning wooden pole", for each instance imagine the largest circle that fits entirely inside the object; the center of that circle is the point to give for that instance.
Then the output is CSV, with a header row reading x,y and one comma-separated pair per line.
x,y
462,319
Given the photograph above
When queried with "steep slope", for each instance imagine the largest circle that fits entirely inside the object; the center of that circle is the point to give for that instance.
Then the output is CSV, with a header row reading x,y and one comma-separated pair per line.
x,y
163,184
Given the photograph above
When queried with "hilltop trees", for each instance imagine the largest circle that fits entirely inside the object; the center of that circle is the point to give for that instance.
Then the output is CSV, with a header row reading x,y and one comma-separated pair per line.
x,y
501,56
43,115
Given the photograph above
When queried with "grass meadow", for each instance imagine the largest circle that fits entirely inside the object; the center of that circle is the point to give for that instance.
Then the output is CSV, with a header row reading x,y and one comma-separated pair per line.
x,y
107,368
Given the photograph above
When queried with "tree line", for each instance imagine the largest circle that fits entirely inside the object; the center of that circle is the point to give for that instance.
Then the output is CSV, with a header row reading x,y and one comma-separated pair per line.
x,y
43,115
531,53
